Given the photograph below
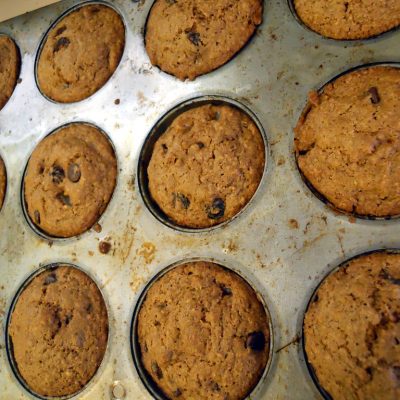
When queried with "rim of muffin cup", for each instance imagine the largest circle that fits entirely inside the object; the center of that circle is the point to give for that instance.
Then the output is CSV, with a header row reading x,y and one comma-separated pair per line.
x,y
144,376
41,233
19,63
296,16
343,264
2,206
58,19
160,127
9,345
303,114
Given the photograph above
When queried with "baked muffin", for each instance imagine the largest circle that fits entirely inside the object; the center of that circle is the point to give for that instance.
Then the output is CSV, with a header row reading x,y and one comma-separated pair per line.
x,y
69,180
346,19
59,331
3,182
9,68
188,38
207,165
348,142
352,329
203,333
80,53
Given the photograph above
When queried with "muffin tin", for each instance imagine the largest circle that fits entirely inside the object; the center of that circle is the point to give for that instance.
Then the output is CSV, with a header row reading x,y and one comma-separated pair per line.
x,y
284,242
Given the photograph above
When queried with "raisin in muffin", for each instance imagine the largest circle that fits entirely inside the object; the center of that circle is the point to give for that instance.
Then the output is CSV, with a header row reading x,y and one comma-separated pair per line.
x,y
59,331
188,38
203,333
80,53
69,180
352,329
348,142
9,68
207,165
346,19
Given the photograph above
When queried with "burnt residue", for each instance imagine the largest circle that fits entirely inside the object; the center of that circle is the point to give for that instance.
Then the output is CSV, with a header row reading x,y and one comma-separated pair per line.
x,y
217,209
62,42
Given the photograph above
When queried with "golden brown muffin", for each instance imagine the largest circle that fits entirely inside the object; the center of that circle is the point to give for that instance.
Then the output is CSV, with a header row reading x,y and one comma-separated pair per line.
x,y
69,180
352,330
348,144
188,38
9,68
207,165
3,182
349,19
80,53
203,333
59,331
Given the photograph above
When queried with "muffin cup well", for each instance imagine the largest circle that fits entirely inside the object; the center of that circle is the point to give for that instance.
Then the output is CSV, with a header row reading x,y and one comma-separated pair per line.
x,y
9,344
303,115
300,22
31,224
46,34
157,131
343,264
146,379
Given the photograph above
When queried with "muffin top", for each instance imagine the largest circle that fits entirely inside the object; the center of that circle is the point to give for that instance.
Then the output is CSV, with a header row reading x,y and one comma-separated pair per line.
x,y
203,333
352,329
3,182
9,68
344,19
59,331
207,165
348,142
188,38
69,180
80,53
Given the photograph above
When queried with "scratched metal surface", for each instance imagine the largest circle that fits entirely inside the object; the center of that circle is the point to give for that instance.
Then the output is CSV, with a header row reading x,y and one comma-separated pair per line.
x,y
283,243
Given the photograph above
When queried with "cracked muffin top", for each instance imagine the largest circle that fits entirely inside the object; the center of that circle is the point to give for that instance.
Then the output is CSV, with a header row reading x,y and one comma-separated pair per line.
x,y
203,333
348,142
69,180
352,329
206,166
9,68
59,331
188,38
80,53
349,19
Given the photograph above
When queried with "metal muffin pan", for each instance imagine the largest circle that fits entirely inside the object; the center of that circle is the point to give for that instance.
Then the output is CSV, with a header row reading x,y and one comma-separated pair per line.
x,y
305,26
313,374
283,243
158,130
306,110
32,225
9,344
135,346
